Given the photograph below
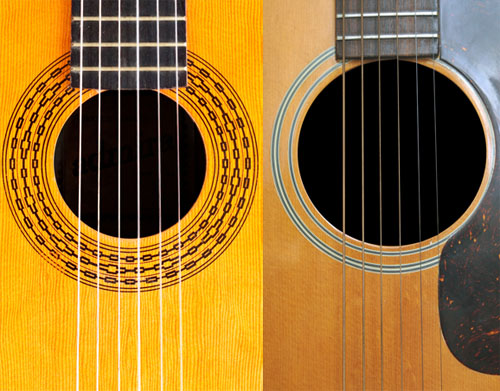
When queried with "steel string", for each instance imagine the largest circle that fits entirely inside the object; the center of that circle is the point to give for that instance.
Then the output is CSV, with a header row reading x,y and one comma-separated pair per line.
x,y
419,201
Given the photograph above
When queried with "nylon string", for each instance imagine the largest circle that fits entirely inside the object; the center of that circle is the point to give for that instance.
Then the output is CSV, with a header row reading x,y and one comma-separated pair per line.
x,y
119,196
138,151
80,120
99,102
343,204
181,357
160,268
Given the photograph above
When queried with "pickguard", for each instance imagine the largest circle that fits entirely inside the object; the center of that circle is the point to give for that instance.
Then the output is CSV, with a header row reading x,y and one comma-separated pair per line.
x,y
469,294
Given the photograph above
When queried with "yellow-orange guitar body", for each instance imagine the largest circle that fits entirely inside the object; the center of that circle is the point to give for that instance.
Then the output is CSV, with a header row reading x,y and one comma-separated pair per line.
x,y
221,303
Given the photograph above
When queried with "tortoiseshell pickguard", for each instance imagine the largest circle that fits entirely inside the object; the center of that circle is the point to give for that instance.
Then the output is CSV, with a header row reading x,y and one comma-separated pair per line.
x,y
469,283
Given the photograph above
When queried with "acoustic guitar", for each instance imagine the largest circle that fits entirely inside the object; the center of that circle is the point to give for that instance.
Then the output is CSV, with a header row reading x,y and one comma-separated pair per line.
x,y
381,201
130,208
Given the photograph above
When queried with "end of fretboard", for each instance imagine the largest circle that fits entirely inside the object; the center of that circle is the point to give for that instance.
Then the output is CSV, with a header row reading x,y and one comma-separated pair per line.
x,y
148,79
116,46
385,32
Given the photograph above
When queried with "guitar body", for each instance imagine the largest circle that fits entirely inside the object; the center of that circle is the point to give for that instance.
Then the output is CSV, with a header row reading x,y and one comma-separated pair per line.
x,y
321,331
221,302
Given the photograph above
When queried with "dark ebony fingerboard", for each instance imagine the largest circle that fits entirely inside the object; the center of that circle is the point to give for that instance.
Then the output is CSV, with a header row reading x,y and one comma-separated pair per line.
x,y
403,28
124,61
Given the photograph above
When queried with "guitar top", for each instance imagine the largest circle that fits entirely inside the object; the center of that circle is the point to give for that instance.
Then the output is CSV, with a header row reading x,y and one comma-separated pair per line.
x,y
341,312
197,322
238,195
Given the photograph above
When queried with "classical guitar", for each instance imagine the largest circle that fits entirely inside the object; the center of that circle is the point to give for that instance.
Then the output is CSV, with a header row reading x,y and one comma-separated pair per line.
x,y
129,206
381,202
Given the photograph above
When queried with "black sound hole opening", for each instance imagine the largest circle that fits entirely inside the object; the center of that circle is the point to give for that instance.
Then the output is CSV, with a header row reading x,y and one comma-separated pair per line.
x,y
192,163
461,153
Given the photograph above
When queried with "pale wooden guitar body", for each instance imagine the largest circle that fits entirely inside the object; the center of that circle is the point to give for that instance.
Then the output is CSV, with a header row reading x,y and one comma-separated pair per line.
x,y
303,286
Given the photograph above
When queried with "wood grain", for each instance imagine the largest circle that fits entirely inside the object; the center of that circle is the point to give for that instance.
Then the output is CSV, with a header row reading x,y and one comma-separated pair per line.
x,y
303,287
399,25
222,306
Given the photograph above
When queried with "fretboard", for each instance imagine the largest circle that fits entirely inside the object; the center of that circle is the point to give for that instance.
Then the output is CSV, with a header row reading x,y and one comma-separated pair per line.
x,y
121,55
391,28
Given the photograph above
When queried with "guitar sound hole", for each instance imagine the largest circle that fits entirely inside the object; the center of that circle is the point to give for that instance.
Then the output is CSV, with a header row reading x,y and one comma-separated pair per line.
x,y
461,153
192,163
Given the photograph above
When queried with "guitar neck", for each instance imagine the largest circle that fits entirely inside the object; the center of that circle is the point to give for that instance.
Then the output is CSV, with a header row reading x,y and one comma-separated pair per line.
x,y
113,51
369,29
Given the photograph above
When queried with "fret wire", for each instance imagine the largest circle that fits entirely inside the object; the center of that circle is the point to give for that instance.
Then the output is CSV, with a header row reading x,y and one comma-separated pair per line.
x,y
128,69
387,14
388,36
128,8
127,44
130,18
152,22
128,30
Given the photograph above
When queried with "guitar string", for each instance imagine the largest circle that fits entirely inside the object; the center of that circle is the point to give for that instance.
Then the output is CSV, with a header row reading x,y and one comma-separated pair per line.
x,y
99,102
434,58
160,267
399,192
437,207
419,200
80,120
181,357
437,202
363,316
399,200
98,233
119,197
138,152
343,203
380,204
